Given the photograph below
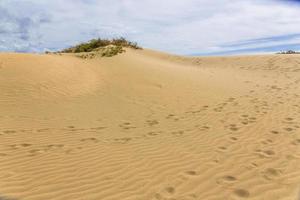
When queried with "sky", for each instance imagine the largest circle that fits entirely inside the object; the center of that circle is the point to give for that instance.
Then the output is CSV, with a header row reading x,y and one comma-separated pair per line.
x,y
187,27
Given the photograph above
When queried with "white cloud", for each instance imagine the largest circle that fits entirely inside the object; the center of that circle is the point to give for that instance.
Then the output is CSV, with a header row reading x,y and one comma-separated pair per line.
x,y
184,27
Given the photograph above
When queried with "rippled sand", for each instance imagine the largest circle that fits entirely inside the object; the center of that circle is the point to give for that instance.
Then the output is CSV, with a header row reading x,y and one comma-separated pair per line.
x,y
145,125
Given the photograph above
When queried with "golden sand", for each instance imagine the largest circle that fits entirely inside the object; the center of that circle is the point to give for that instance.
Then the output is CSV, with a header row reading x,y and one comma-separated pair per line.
x,y
145,125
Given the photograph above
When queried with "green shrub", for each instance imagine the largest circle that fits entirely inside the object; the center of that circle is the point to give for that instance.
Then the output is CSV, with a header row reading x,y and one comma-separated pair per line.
x,y
289,52
94,44
108,51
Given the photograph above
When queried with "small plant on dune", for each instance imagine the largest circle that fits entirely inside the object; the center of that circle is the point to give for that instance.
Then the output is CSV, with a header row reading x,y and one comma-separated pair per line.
x,y
107,51
288,52
112,50
95,44
124,43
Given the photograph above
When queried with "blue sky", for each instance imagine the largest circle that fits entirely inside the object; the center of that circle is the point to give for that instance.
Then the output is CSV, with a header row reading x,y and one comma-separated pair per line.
x,y
189,27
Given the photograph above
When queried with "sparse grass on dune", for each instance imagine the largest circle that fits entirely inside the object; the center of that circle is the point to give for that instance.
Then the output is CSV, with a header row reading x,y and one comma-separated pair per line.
x,y
101,47
108,51
288,52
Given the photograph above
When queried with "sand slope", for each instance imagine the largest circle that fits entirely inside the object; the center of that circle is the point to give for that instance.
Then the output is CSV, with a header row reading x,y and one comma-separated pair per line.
x,y
145,125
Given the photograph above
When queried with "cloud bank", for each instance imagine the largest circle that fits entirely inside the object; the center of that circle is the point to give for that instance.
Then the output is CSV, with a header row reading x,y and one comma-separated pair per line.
x,y
188,27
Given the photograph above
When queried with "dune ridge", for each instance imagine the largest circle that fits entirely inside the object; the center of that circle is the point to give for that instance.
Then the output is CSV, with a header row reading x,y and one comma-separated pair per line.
x,y
146,125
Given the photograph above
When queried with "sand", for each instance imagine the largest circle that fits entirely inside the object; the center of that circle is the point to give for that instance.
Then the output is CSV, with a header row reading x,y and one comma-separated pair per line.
x,y
145,125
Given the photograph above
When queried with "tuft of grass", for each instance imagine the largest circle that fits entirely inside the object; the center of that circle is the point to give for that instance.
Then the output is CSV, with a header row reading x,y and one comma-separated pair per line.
x,y
95,44
107,51
111,51
288,52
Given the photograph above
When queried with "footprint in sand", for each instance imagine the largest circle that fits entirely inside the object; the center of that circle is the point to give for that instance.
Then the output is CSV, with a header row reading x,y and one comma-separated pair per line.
x,y
218,109
127,126
73,150
98,128
202,128
266,142
252,119
271,173
9,131
193,111
44,149
177,133
166,193
275,132
222,148
231,99
154,133
233,139
245,122
25,145
242,193
18,146
152,122
245,117
26,131
233,127
205,127
170,116
191,173
35,152
123,140
296,142
43,130
289,119
71,128
265,153
170,190
226,180
92,139
173,117
288,129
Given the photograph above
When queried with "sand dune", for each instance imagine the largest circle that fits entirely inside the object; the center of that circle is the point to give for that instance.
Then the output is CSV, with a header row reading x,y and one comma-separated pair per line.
x,y
146,125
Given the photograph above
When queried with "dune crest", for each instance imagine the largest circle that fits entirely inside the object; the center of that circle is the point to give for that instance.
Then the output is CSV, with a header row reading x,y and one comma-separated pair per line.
x,y
151,126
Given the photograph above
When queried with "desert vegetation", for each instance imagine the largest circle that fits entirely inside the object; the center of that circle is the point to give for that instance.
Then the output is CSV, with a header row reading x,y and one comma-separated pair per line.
x,y
95,44
99,48
288,52
107,51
